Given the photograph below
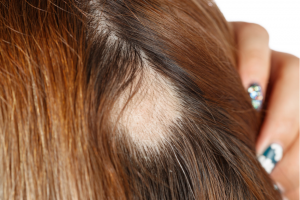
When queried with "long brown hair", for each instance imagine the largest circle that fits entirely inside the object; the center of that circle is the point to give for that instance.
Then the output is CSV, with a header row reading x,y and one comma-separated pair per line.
x,y
119,99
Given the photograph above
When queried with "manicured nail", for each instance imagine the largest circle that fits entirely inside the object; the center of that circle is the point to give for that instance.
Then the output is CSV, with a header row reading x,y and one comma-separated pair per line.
x,y
271,157
256,95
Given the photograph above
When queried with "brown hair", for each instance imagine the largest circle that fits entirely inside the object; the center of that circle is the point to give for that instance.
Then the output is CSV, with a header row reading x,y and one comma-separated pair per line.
x,y
117,99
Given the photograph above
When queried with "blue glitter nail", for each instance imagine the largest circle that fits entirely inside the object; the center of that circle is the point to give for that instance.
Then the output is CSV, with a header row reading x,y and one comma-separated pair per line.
x,y
256,95
270,157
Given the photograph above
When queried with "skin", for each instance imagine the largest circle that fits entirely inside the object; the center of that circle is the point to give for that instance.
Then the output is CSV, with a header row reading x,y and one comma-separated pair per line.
x,y
279,72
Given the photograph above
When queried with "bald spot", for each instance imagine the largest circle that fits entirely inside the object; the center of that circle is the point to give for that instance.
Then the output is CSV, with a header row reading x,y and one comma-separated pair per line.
x,y
148,115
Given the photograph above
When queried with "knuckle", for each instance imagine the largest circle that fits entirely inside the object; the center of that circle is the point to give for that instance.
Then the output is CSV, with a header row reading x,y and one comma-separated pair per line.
x,y
291,64
260,30
287,67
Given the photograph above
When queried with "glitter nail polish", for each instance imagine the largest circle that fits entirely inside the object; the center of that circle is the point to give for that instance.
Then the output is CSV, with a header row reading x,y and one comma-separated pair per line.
x,y
256,95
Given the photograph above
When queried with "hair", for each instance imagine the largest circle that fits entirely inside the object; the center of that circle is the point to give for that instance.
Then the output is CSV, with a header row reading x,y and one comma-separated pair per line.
x,y
124,99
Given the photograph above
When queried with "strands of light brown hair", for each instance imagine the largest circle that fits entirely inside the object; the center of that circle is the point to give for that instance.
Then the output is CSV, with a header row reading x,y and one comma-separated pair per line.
x,y
119,99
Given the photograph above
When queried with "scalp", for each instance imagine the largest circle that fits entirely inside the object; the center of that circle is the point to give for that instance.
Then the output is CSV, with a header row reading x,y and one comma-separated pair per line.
x,y
146,109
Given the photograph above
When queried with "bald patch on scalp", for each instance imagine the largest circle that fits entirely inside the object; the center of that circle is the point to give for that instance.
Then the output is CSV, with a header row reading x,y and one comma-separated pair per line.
x,y
146,109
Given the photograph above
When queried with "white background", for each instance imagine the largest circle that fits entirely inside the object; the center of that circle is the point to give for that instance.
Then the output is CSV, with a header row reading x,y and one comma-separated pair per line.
x,y
281,18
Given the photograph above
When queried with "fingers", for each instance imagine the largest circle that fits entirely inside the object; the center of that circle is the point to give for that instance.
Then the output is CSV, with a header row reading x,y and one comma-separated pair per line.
x,y
282,119
281,125
286,173
276,144
253,53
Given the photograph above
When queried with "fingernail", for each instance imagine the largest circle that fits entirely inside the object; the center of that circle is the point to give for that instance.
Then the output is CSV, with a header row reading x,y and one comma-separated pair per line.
x,y
271,157
256,95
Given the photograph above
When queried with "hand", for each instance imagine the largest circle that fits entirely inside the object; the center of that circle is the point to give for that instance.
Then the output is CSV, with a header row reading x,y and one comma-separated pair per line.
x,y
278,75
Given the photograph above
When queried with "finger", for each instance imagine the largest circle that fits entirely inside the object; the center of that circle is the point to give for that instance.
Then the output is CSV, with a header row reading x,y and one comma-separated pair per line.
x,y
282,119
286,173
253,54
